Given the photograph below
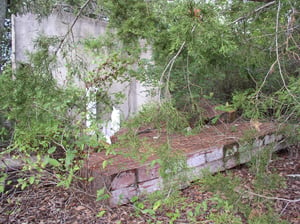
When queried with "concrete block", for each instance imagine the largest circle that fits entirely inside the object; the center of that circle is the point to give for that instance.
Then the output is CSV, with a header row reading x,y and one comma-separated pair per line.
x,y
194,173
279,137
122,196
231,162
138,179
215,166
99,181
148,172
196,159
254,151
150,186
230,149
281,145
245,156
258,143
214,154
123,179
268,139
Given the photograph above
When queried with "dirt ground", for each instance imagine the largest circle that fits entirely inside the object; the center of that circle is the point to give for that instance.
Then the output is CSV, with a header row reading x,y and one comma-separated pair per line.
x,y
47,203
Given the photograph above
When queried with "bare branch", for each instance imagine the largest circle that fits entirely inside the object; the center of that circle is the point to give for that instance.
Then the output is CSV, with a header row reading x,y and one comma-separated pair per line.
x,y
72,25
255,11
271,70
170,65
277,53
273,198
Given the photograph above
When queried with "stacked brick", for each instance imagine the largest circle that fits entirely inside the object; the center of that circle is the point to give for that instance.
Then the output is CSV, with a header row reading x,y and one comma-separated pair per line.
x,y
126,178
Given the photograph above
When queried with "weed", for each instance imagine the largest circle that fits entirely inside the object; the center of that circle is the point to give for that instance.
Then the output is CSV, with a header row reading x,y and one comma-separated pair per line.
x,y
220,183
167,199
159,117
268,216
264,180
102,195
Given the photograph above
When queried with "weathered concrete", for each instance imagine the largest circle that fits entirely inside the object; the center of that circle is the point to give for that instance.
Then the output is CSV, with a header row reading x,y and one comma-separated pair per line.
x,y
126,178
27,28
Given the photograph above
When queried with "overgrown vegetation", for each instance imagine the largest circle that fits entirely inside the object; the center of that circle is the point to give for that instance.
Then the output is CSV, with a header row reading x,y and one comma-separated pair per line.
x,y
246,54
43,117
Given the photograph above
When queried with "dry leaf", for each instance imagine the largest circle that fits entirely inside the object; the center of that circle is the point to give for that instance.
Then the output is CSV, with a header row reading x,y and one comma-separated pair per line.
x,y
256,124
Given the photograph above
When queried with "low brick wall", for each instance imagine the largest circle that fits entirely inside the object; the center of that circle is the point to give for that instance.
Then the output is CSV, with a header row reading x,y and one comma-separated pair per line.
x,y
126,178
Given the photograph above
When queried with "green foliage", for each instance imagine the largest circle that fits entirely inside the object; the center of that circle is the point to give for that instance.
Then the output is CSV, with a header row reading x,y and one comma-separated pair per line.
x,y
247,138
3,177
200,47
172,167
47,119
130,19
101,213
173,216
282,105
230,195
102,194
225,214
259,167
44,8
222,184
196,54
164,116
157,202
291,133
269,217
167,199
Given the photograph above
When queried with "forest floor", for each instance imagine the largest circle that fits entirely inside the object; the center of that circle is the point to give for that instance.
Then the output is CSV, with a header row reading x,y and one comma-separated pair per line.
x,y
51,204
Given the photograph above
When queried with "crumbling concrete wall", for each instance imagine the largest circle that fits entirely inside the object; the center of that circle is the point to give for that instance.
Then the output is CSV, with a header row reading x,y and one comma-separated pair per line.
x,y
27,28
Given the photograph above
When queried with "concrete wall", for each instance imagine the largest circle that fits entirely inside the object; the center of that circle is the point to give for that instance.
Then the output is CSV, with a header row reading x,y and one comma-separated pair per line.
x,y
26,28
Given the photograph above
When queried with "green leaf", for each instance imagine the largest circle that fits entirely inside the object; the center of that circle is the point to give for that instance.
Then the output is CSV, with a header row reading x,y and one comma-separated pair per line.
x,y
70,155
31,179
149,211
51,150
53,162
91,179
101,213
215,119
134,199
24,185
157,204
204,205
104,164
190,213
101,194
140,205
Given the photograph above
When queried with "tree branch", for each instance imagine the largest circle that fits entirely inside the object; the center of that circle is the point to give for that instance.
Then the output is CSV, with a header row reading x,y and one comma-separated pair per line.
x,y
255,11
72,25
273,198
277,53
170,65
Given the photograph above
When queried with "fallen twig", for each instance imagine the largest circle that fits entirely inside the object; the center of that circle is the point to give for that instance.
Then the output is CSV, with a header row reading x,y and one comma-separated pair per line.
x,y
273,198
